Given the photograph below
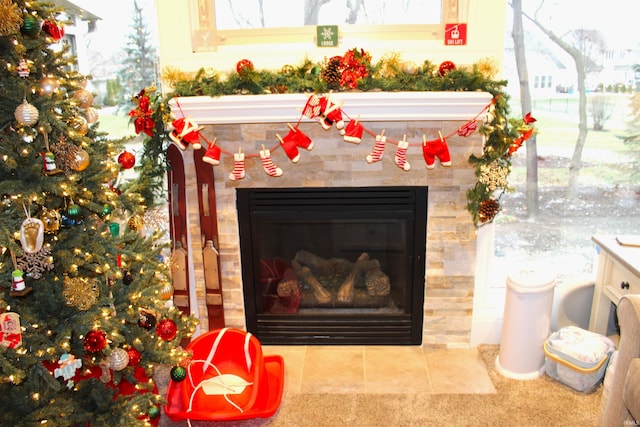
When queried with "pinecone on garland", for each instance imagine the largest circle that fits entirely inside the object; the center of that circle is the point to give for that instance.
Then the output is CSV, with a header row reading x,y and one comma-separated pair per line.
x,y
488,210
331,72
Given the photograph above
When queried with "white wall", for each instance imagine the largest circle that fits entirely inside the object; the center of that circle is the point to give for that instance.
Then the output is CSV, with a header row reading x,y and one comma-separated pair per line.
x,y
485,39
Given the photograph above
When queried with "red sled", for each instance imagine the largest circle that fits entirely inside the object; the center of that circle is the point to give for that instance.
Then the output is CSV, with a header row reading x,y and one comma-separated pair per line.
x,y
228,378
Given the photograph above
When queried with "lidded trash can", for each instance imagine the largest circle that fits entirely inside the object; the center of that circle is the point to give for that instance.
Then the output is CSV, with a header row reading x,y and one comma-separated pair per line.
x,y
526,322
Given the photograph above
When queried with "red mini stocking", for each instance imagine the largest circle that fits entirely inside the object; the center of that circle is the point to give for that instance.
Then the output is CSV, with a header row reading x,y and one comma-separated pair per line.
x,y
238,167
378,149
267,163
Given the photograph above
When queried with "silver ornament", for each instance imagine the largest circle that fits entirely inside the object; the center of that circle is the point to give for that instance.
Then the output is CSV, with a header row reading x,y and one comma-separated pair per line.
x,y
118,359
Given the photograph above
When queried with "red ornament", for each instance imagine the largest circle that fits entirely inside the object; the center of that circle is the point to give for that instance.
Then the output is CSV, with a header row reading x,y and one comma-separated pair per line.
x,y
134,357
167,329
445,67
95,341
126,160
244,66
54,30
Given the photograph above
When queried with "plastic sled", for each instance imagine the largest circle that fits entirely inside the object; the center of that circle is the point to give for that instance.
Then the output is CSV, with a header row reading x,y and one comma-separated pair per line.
x,y
228,379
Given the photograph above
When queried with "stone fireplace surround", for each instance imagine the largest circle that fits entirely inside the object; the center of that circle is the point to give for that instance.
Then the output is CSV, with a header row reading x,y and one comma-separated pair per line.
x,y
248,122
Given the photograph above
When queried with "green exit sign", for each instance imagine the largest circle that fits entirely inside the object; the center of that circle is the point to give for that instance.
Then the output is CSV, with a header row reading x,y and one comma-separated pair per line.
x,y
327,35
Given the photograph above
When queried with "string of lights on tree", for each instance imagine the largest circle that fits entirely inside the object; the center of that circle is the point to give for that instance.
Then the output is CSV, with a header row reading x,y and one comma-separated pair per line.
x,y
352,71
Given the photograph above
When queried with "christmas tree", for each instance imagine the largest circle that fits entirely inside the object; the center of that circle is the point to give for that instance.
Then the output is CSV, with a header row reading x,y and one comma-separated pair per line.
x,y
85,308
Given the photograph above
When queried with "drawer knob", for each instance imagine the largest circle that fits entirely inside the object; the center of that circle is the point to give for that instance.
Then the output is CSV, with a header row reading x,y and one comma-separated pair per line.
x,y
624,285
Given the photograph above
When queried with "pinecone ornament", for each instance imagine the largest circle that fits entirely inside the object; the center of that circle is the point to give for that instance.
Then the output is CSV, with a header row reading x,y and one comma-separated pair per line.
x,y
332,71
488,210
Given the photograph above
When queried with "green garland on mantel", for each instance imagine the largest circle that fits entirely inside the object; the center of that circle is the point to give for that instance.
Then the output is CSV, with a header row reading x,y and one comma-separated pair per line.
x,y
355,71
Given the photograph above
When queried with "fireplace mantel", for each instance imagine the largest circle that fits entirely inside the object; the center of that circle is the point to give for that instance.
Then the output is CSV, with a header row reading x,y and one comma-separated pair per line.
x,y
250,122
368,106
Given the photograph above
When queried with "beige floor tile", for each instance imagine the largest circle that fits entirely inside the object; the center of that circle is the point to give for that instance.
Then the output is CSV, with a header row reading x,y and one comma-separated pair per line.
x,y
293,363
458,371
333,369
389,369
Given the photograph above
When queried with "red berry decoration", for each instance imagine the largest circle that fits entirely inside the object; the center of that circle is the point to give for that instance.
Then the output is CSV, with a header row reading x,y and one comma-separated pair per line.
x,y
445,67
134,356
95,341
244,66
126,160
178,373
54,30
167,329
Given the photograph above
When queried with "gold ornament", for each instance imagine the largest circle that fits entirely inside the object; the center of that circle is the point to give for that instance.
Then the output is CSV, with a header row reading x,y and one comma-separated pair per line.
x,y
487,67
493,175
49,86
91,115
391,63
79,125
287,69
80,292
80,161
166,292
83,98
26,114
11,18
136,222
118,359
51,219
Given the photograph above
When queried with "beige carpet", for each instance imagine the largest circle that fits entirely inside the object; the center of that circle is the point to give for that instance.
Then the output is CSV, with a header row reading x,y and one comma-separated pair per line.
x,y
540,402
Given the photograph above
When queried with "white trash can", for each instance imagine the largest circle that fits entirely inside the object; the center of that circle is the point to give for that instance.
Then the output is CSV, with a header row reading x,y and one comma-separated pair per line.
x,y
526,322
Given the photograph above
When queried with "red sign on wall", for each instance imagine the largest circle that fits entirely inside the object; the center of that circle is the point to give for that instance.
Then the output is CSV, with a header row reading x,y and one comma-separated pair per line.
x,y
455,34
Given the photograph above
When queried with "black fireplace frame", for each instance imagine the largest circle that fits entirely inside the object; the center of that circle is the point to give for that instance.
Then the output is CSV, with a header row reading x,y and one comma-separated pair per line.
x,y
338,328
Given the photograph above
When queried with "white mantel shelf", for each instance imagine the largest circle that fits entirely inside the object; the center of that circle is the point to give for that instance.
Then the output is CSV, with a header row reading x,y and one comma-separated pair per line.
x,y
367,106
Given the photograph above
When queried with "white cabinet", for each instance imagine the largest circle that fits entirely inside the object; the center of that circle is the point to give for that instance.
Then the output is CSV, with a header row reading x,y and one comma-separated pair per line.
x,y
618,275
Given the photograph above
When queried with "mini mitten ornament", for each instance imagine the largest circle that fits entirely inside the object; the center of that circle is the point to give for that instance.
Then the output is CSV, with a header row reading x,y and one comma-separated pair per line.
x,y
290,146
436,148
378,149
267,163
401,155
238,166
353,132
212,155
185,131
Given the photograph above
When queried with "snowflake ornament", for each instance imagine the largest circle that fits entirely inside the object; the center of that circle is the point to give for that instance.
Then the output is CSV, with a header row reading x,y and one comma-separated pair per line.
x,y
493,175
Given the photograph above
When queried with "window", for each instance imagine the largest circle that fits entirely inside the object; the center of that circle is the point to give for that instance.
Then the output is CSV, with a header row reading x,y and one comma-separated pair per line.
x,y
222,22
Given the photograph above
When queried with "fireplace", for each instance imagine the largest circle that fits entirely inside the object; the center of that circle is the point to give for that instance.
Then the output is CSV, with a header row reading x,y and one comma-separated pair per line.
x,y
333,265
249,122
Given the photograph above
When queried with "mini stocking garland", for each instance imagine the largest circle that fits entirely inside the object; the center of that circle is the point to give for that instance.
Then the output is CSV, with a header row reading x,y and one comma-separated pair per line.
x,y
378,148
401,155
238,166
289,146
301,140
267,163
435,148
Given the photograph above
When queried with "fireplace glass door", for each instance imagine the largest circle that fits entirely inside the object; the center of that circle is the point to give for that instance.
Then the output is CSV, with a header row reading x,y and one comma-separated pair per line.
x,y
333,265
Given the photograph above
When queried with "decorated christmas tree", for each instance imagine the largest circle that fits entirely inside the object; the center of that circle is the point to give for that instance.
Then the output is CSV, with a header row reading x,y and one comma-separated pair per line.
x,y
85,308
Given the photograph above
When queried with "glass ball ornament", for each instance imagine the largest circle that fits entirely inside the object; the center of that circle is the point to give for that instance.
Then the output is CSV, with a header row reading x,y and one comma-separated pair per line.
x,y
167,329
49,86
26,114
30,25
178,373
153,412
54,30
166,292
92,115
134,356
73,211
80,160
79,125
445,67
136,222
127,160
83,98
244,66
118,359
95,341
146,320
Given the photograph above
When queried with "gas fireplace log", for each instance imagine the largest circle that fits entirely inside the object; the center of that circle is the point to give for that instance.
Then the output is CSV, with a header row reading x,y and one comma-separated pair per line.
x,y
333,270
319,292
346,292
377,283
